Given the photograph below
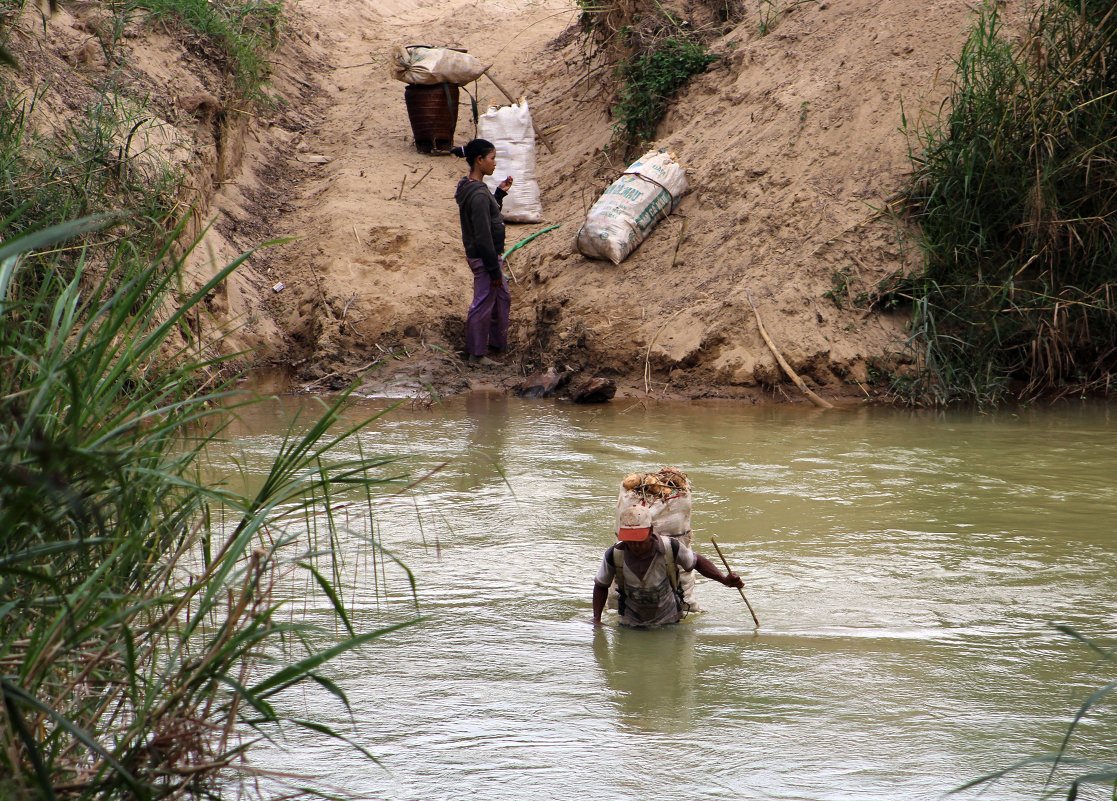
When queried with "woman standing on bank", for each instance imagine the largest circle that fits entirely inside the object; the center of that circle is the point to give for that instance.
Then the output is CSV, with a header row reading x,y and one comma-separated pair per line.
x,y
486,325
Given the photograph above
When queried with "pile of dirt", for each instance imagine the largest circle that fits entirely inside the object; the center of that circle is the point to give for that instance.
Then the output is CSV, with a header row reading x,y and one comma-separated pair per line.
x,y
793,148
793,151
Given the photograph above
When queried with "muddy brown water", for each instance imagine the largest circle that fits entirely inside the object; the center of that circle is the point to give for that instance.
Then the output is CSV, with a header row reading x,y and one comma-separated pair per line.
x,y
907,569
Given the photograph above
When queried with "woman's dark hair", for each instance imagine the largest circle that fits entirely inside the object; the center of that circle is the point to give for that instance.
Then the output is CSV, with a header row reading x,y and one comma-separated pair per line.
x,y
473,150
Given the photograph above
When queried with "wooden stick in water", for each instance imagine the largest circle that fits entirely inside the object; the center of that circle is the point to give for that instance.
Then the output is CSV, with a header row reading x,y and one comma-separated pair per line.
x,y
728,570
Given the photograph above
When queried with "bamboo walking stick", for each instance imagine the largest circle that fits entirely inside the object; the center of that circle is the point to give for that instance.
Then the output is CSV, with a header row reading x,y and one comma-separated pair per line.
x,y
728,570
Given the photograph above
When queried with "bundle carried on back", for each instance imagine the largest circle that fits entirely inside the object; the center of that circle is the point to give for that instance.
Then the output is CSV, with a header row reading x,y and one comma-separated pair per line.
x,y
666,494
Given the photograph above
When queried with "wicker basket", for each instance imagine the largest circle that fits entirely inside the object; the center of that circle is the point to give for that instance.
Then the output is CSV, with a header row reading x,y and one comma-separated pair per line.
x,y
433,112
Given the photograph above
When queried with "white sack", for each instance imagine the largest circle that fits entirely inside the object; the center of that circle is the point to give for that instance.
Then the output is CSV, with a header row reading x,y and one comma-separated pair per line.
x,y
670,518
630,208
428,65
510,129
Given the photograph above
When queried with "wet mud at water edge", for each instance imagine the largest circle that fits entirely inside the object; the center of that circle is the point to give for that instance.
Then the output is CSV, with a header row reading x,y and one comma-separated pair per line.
x,y
906,568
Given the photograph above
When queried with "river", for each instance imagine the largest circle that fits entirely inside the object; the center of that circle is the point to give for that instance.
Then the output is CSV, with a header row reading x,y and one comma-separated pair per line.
x,y
907,568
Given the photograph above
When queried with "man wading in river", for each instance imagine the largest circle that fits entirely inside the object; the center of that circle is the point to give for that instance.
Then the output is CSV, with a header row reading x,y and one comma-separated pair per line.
x,y
646,567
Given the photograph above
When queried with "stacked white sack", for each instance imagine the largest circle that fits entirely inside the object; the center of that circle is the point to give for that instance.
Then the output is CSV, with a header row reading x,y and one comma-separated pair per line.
x,y
509,128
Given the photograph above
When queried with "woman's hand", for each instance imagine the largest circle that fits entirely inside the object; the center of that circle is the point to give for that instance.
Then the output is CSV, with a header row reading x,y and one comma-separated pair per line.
x,y
506,184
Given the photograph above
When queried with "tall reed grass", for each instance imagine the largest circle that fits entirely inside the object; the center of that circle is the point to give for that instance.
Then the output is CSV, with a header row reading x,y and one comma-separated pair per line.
x,y
147,638
143,643
1015,192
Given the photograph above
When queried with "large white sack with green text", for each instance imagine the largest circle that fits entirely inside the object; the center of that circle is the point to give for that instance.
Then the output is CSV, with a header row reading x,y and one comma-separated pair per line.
x,y
630,208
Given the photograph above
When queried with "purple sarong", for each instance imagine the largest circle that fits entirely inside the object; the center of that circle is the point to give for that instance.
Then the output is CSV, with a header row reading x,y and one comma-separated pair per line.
x,y
486,325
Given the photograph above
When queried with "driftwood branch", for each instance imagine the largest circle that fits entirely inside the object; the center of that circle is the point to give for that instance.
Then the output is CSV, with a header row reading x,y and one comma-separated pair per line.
x,y
794,376
648,352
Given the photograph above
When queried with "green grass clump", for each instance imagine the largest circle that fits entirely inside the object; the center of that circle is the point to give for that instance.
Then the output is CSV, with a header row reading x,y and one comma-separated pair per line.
x,y
650,80
1014,193
244,33
145,640
88,166
237,35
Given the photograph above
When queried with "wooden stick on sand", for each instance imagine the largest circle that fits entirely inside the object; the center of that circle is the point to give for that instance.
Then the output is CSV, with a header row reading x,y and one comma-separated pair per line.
x,y
794,376
512,100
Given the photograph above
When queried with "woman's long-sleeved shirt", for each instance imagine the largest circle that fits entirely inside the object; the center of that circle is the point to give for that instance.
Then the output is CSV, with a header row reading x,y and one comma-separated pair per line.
x,y
482,223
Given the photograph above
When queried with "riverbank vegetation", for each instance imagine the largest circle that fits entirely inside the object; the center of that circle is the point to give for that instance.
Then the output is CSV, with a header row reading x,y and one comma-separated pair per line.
x,y
1014,194
236,35
145,635
144,642
651,52
95,160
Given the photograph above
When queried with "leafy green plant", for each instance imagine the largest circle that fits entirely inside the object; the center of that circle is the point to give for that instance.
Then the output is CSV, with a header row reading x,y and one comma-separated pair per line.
x,y
842,294
651,80
838,293
1013,193
142,648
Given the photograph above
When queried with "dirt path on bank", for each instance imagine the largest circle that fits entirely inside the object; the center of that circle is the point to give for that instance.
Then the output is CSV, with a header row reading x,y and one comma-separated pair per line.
x,y
792,151
374,282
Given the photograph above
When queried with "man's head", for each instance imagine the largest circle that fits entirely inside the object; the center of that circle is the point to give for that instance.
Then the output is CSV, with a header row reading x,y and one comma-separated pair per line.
x,y
635,524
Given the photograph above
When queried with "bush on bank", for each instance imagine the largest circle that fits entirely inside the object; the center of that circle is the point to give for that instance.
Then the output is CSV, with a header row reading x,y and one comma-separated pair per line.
x,y
1014,193
649,50
650,80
